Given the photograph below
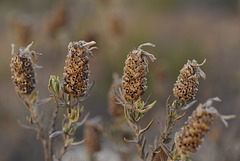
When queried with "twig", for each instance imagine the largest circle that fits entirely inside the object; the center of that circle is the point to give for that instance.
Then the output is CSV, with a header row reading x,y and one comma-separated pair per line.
x,y
38,123
140,140
26,126
78,143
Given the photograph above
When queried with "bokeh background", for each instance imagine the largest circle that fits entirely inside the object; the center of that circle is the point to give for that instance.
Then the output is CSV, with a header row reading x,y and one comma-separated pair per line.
x,y
181,30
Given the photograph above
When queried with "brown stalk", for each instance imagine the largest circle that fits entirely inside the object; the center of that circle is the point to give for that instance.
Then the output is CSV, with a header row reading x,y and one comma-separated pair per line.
x,y
139,140
171,118
51,130
36,120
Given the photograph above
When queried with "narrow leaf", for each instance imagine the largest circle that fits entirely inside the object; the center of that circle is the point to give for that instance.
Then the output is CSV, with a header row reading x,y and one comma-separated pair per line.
x,y
54,134
146,128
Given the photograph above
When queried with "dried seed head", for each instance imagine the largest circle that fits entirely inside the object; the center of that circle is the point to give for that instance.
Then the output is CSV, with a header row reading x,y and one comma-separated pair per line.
x,y
134,81
186,86
22,29
92,134
114,109
191,134
56,20
76,72
23,69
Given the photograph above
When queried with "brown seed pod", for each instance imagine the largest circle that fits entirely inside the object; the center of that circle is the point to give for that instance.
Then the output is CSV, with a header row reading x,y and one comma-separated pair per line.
x,y
56,20
191,134
23,69
114,109
186,86
134,81
92,133
76,72
22,29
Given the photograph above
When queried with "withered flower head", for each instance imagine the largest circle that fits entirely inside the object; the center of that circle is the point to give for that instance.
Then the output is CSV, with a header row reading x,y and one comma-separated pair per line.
x,y
23,66
186,86
134,81
92,133
114,109
76,72
191,134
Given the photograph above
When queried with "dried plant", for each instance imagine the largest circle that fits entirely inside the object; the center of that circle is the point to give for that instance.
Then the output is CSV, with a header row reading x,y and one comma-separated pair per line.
x,y
133,87
22,29
114,109
186,86
125,101
190,137
73,91
23,66
56,19
134,79
67,95
76,71
92,133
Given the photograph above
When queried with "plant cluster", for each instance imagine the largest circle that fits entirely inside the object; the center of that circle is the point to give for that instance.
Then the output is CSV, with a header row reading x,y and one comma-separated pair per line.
x,y
125,104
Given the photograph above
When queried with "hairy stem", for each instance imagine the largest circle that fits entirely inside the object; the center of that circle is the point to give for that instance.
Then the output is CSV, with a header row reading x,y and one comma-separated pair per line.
x,y
36,120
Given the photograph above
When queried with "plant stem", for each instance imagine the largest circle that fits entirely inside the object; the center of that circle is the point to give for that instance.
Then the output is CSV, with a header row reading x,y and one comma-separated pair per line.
x,y
51,130
37,121
139,140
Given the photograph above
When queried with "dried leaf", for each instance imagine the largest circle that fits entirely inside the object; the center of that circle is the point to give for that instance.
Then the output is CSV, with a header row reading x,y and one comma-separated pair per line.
x,y
130,141
56,133
43,101
146,128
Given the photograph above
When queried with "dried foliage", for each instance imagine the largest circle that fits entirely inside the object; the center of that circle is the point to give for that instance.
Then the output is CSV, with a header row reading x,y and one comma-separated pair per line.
x,y
23,66
75,89
92,132
114,109
125,99
133,86
56,19
22,30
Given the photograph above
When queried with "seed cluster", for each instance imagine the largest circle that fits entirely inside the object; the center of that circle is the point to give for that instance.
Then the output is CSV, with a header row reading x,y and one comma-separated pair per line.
x,y
76,72
23,70
134,81
194,129
186,86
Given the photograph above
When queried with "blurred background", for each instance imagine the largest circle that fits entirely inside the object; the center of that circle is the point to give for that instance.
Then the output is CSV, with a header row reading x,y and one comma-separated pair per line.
x,y
181,30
